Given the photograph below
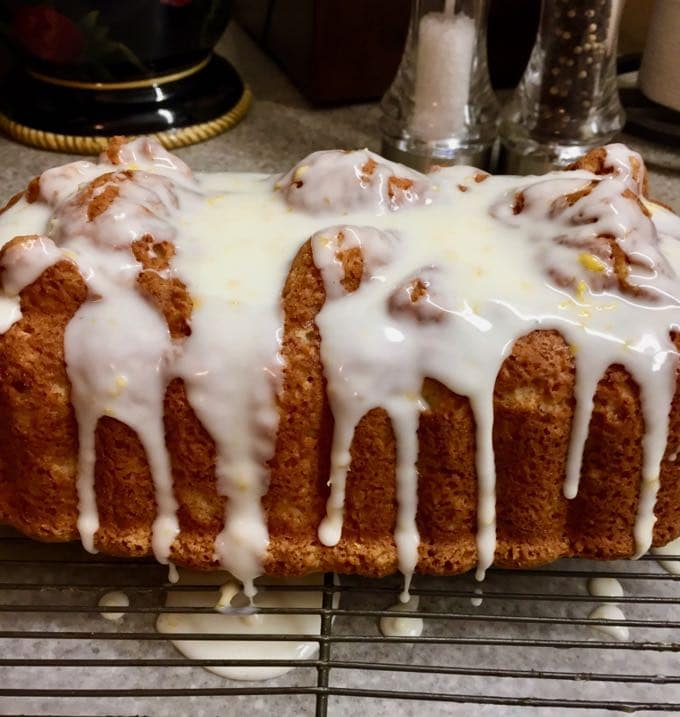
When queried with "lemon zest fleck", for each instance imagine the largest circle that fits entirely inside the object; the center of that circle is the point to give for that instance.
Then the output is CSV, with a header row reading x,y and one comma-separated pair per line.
x,y
581,290
591,262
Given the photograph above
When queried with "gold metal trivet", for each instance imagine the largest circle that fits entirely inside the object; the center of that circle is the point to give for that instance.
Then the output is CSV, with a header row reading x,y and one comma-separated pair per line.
x,y
126,85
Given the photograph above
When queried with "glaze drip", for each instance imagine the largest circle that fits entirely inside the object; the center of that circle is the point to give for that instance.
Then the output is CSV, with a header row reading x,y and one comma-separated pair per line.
x,y
243,434
358,383
117,367
22,261
130,388
608,587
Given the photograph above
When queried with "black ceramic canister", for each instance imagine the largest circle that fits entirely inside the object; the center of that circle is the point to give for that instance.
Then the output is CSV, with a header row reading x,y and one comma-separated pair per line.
x,y
86,70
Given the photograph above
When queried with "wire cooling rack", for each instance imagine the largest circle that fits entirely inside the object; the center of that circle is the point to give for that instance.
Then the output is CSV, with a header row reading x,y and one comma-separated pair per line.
x,y
528,649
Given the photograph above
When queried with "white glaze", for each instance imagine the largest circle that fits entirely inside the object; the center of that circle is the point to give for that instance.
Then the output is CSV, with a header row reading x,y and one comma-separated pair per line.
x,y
400,626
608,587
609,611
244,622
117,367
338,182
478,599
605,587
23,219
618,160
10,312
672,548
231,364
130,387
116,598
491,276
21,264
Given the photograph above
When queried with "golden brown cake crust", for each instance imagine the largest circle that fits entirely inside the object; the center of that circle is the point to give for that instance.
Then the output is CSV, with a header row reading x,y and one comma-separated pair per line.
x,y
38,431
533,404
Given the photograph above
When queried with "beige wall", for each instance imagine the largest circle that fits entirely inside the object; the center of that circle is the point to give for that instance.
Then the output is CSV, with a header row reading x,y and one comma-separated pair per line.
x,y
634,25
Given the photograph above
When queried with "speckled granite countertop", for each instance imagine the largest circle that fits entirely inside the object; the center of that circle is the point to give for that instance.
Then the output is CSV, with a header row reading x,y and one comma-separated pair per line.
x,y
280,129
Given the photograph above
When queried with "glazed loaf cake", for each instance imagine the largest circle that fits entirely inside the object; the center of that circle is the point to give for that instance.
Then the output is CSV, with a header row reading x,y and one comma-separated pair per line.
x,y
353,367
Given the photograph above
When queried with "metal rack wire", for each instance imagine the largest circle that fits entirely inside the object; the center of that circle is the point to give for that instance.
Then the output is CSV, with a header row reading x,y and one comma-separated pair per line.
x,y
530,644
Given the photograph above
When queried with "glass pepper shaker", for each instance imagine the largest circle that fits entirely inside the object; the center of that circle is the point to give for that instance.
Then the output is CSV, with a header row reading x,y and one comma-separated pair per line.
x,y
567,101
440,109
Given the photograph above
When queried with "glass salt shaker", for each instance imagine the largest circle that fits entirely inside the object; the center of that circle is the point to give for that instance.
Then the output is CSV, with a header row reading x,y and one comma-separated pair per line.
x,y
567,101
440,109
